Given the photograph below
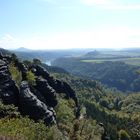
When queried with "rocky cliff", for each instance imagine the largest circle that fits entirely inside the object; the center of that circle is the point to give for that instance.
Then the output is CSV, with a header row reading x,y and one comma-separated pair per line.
x,y
38,100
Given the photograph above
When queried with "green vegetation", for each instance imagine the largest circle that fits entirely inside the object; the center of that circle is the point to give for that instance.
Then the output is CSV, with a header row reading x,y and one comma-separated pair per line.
x,y
15,73
66,116
22,128
117,74
123,135
130,61
107,106
30,78
8,111
93,61
13,125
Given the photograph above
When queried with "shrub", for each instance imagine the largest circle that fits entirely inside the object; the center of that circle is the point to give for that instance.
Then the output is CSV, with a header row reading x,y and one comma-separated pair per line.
x,y
8,110
65,113
23,128
30,78
15,73
123,135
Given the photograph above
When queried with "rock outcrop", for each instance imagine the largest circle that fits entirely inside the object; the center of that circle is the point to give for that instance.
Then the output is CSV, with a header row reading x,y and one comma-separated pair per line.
x,y
30,105
58,86
46,91
8,89
37,101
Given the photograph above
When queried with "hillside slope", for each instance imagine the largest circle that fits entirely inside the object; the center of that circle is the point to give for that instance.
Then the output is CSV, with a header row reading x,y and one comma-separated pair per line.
x,y
110,107
34,105
119,75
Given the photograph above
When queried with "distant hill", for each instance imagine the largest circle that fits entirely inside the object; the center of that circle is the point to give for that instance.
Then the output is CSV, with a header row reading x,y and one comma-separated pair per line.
x,y
136,50
22,49
93,53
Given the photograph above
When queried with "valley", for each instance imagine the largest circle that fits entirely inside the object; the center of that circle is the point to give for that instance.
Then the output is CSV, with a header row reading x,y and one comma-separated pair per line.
x,y
113,69
71,98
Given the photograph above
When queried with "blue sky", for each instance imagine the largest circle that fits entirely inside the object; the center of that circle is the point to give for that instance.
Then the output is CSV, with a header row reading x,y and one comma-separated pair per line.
x,y
62,24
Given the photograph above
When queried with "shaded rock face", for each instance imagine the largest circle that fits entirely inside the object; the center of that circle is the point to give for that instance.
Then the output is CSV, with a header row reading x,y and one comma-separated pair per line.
x,y
59,86
63,87
40,71
4,55
8,89
30,105
47,91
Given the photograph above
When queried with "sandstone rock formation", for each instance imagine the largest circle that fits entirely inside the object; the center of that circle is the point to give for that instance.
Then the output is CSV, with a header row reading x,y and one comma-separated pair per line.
x,y
58,86
30,105
37,101
8,89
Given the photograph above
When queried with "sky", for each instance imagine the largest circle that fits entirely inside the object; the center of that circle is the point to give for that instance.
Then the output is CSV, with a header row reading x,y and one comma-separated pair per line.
x,y
64,24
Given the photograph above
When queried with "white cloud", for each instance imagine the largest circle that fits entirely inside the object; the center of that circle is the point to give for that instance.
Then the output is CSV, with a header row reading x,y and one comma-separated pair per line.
x,y
10,42
106,37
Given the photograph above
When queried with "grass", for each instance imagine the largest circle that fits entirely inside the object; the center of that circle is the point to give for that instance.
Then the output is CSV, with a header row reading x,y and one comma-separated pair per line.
x,y
130,61
93,61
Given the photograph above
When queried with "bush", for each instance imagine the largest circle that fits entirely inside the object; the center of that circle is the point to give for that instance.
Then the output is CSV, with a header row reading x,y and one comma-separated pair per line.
x,y
23,128
8,111
65,112
30,78
123,135
15,73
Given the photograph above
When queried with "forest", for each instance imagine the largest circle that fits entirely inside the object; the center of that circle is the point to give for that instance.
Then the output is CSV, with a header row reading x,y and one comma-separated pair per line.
x,y
69,107
111,70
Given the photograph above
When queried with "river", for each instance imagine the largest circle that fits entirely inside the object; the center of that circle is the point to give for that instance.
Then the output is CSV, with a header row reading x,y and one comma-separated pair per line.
x,y
48,63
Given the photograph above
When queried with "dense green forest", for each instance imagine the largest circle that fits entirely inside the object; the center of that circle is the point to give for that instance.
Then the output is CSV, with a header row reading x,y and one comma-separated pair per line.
x,y
107,106
116,74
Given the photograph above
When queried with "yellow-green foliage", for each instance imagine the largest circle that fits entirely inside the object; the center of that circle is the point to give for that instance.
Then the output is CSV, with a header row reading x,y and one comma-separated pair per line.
x,y
26,129
123,135
86,129
54,134
30,78
15,127
8,111
23,128
15,73
65,112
